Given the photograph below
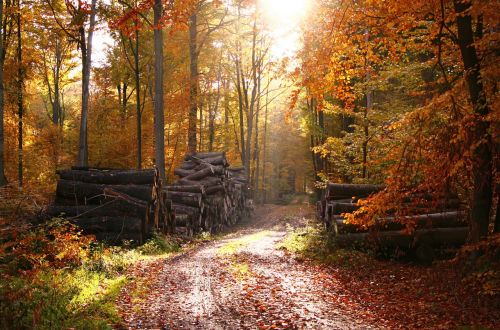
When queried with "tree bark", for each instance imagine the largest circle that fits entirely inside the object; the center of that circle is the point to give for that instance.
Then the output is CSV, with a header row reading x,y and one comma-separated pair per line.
x,y
138,99
214,110
253,98
86,50
338,190
3,179
193,87
159,118
481,153
369,105
264,151
20,85
83,191
109,177
433,237
56,106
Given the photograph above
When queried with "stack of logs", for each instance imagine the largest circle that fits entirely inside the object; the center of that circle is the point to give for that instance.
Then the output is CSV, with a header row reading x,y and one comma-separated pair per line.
x,y
209,194
112,204
117,204
444,226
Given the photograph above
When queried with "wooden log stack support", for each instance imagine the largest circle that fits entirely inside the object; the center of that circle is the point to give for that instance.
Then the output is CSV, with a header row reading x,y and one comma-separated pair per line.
x,y
209,195
445,225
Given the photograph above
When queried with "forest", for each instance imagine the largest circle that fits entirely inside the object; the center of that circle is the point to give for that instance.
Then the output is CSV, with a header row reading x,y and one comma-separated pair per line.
x,y
270,164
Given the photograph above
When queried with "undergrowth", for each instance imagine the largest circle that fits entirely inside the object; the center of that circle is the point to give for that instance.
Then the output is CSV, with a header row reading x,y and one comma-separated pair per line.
x,y
313,243
478,265
53,277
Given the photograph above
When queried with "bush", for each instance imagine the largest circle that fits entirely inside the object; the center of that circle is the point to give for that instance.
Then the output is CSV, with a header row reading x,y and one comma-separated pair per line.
x,y
159,244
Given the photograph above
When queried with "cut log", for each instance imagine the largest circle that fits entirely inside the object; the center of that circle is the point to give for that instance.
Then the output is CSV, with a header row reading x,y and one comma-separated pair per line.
x,y
188,165
206,182
179,208
435,220
109,177
194,188
204,155
190,199
174,194
219,160
432,237
339,208
336,223
207,171
94,193
236,169
214,189
111,208
90,168
183,173
338,190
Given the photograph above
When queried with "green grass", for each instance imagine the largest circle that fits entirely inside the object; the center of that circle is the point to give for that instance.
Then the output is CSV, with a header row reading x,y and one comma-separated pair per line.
x,y
233,246
229,253
313,243
81,296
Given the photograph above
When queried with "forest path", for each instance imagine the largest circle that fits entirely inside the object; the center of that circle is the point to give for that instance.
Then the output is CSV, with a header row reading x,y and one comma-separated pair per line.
x,y
243,281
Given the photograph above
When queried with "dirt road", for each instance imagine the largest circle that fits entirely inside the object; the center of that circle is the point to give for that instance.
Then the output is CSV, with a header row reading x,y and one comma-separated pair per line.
x,y
243,281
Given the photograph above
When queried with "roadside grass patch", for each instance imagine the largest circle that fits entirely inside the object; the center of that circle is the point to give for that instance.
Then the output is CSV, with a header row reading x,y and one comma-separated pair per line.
x,y
235,261
55,278
313,243
159,244
235,245
239,269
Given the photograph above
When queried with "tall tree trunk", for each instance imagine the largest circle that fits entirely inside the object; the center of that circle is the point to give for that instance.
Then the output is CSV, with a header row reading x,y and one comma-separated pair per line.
x,y
215,109
20,84
241,110
3,179
86,49
321,138
200,141
124,102
56,107
481,153
264,151
240,87
256,158
193,87
159,118
226,115
253,96
369,104
138,99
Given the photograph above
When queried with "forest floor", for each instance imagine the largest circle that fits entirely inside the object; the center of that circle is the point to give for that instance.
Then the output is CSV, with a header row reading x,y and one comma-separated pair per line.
x,y
241,281
249,279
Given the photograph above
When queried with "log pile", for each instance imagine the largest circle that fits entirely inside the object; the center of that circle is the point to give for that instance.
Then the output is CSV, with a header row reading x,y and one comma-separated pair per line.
x,y
209,195
446,226
117,204
112,204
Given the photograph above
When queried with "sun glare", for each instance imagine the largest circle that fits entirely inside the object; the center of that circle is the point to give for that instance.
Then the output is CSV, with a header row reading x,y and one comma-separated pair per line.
x,y
287,12
283,18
